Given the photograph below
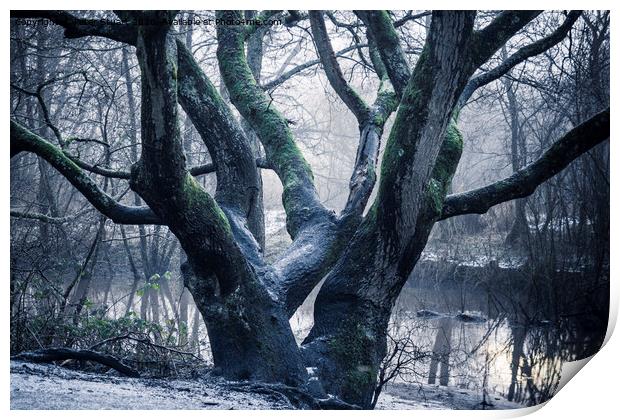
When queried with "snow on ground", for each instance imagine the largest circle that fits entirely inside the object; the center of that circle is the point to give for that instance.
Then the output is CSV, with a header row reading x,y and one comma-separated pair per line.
x,y
45,387
402,396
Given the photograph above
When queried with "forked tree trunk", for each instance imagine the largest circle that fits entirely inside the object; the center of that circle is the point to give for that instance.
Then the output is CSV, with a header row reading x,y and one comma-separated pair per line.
x,y
352,311
249,333
246,302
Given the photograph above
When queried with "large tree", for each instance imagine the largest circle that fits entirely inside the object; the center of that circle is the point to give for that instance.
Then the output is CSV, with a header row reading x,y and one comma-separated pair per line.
x,y
366,252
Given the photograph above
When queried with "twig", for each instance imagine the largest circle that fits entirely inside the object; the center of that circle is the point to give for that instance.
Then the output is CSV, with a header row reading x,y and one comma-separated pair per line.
x,y
145,341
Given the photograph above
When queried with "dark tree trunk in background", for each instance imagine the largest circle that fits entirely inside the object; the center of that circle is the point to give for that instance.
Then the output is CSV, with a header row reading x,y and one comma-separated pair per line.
x,y
134,272
194,338
519,230
183,321
76,292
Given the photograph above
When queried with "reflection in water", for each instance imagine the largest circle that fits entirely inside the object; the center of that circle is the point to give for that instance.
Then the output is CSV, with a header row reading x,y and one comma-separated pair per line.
x,y
518,363
510,354
492,357
441,352
490,336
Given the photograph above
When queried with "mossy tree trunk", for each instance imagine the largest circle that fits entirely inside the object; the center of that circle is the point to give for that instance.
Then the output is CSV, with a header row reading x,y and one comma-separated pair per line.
x,y
249,333
352,310
365,258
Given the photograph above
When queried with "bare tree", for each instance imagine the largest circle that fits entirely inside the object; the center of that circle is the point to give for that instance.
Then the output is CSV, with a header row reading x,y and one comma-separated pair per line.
x,y
366,252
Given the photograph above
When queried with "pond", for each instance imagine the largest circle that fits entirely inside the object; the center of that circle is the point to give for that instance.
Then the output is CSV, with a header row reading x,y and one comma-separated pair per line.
x,y
480,332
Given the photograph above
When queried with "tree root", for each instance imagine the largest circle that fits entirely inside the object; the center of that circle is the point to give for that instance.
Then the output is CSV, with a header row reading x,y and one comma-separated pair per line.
x,y
297,397
62,353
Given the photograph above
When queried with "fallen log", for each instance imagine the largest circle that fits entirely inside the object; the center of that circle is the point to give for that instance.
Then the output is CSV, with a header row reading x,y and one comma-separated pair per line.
x,y
62,353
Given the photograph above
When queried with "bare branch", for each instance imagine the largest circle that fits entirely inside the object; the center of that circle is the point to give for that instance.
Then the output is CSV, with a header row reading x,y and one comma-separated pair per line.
x,y
99,170
42,217
23,140
409,17
207,168
520,56
332,69
525,181
298,69
498,32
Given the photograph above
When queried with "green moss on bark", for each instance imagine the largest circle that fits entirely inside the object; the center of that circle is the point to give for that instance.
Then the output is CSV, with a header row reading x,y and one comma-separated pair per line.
x,y
352,350
300,199
445,166
198,198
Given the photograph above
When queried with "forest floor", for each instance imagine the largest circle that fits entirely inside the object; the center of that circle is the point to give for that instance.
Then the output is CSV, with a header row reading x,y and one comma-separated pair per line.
x,y
45,387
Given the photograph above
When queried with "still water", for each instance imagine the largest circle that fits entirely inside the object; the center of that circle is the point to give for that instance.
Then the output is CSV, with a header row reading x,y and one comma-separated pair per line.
x,y
468,337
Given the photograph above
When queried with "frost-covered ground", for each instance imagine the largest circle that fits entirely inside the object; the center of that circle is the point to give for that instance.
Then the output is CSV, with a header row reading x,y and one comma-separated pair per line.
x,y
45,387
435,397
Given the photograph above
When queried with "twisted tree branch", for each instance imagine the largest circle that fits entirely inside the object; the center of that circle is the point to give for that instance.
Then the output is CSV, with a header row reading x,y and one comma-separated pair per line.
x,y
332,69
23,140
525,181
